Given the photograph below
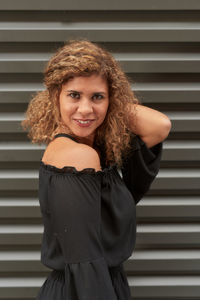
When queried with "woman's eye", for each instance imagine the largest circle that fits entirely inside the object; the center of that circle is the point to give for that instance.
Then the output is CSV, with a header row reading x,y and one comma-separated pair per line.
x,y
98,96
74,95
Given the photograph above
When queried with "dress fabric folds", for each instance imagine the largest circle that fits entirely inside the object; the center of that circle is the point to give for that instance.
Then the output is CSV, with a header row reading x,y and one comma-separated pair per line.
x,y
141,167
89,222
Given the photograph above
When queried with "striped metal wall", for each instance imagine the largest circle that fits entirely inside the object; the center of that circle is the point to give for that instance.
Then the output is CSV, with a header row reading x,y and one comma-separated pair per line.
x,y
158,45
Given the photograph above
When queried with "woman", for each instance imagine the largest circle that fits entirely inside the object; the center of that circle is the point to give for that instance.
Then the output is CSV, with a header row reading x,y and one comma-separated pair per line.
x,y
104,151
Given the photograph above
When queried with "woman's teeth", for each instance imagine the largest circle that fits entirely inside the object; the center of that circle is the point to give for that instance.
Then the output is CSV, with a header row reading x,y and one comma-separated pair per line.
x,y
83,122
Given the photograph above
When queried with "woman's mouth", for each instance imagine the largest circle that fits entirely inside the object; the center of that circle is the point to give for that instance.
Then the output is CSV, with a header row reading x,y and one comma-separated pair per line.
x,y
84,123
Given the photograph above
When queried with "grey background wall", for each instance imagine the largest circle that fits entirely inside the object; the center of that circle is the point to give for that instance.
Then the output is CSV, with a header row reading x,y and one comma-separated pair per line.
x,y
158,45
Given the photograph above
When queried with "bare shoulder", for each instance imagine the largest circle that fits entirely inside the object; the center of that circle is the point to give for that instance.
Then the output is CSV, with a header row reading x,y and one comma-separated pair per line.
x,y
70,153
84,156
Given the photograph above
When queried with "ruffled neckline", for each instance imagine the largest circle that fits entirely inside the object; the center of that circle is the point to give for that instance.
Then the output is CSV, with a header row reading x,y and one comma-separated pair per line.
x,y
73,170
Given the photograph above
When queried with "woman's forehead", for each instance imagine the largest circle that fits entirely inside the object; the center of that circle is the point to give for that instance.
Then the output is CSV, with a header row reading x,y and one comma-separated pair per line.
x,y
84,81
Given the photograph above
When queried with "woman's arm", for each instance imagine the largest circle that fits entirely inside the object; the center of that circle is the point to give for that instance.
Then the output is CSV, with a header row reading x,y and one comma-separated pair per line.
x,y
151,125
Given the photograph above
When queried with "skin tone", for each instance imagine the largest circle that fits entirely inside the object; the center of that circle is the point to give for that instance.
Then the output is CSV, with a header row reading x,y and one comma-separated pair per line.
x,y
84,98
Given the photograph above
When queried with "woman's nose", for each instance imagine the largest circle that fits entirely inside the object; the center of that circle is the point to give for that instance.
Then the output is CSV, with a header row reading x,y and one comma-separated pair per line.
x,y
85,106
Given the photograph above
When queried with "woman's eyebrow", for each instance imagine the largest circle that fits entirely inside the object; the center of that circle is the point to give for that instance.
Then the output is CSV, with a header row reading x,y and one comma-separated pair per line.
x,y
73,91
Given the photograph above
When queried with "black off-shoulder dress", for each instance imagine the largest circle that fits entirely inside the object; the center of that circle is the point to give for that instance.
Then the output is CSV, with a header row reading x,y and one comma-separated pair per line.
x,y
89,222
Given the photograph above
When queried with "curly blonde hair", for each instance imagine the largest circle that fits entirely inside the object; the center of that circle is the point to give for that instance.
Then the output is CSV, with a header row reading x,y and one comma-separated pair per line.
x,y
83,58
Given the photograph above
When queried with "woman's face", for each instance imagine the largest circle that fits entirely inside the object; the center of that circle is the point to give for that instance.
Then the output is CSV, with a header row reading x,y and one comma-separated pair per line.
x,y
84,99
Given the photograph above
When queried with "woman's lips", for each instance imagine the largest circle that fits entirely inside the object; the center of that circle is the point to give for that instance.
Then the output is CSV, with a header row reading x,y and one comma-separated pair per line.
x,y
84,124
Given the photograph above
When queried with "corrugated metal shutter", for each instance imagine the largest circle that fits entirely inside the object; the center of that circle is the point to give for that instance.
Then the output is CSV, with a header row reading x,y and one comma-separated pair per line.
x,y
158,44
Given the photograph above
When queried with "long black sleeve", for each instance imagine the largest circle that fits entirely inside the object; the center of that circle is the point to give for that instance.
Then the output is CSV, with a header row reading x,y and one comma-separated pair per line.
x,y
141,167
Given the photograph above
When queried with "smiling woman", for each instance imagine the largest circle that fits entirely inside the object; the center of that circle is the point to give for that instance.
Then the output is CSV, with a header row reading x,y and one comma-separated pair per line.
x,y
83,106
82,75
88,208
